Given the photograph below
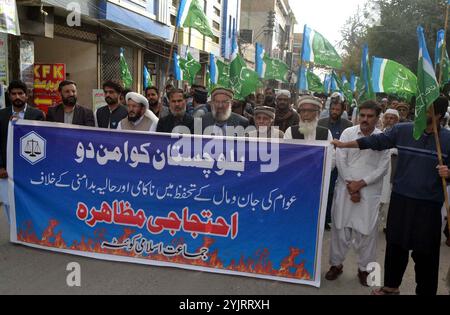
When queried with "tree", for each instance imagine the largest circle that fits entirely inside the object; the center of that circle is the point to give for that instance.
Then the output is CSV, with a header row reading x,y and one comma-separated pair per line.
x,y
354,36
395,37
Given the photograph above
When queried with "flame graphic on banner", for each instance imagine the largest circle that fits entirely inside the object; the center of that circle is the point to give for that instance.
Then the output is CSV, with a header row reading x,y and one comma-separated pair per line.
x,y
261,265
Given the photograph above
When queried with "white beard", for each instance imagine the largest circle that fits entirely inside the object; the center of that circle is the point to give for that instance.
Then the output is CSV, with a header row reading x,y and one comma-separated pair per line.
x,y
308,128
221,117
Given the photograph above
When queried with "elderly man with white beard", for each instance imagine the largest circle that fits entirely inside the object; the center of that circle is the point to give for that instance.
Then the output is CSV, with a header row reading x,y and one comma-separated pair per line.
x,y
308,129
221,118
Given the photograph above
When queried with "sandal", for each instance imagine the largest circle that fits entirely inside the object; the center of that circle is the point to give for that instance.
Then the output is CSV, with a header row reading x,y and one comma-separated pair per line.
x,y
383,291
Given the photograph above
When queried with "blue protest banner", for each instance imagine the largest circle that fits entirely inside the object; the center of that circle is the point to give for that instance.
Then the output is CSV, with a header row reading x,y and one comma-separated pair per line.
x,y
232,206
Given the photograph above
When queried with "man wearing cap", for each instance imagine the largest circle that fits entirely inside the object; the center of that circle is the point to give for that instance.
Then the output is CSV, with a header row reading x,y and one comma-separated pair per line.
x,y
308,127
403,110
264,118
335,99
140,118
221,116
415,219
178,121
390,118
285,116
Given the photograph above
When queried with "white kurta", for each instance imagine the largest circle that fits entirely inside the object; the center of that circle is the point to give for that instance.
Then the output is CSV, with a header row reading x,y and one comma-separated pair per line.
x,y
354,165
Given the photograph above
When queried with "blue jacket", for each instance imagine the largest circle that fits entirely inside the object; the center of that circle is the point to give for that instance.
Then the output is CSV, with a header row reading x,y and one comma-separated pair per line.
x,y
416,176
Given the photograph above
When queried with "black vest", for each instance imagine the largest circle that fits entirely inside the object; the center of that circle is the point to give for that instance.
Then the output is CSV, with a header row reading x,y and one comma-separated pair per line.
x,y
108,120
321,133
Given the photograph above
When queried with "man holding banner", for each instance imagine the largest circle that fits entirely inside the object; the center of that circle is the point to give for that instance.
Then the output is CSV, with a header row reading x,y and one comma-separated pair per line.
x,y
18,93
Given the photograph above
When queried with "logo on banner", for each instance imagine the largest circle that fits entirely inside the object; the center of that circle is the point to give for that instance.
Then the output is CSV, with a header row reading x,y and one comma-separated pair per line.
x,y
33,148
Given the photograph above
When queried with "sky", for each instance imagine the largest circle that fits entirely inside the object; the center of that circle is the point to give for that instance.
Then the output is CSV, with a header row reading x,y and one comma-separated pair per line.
x,y
324,16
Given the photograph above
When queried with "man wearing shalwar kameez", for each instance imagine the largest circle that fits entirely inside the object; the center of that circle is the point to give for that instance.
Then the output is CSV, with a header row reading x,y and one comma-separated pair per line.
x,y
357,197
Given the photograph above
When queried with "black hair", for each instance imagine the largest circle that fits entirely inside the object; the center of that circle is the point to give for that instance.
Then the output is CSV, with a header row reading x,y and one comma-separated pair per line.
x,y
65,83
113,85
154,88
371,105
197,86
17,84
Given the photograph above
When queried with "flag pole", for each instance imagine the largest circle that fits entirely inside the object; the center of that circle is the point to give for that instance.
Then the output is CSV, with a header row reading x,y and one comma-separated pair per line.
x,y
172,47
435,122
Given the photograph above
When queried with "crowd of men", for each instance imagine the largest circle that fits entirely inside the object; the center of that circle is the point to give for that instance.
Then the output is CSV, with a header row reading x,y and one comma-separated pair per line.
x,y
379,170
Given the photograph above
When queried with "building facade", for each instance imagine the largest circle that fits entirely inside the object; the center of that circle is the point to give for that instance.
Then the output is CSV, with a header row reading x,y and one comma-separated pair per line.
x,y
90,49
270,23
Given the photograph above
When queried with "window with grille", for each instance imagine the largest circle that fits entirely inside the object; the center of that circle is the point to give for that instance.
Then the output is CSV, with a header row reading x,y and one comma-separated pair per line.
x,y
110,62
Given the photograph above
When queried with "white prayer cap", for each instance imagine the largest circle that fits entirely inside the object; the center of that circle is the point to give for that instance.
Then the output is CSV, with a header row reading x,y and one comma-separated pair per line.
x,y
393,112
138,98
284,93
337,95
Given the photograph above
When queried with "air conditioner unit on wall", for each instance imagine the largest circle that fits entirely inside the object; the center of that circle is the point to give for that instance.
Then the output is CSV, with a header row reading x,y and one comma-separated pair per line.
x,y
246,36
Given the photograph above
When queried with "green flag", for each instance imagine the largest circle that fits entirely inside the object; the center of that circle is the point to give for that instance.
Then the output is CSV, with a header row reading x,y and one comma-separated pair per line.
x,y
318,50
275,69
314,82
125,74
223,70
427,86
339,86
244,81
393,78
197,19
347,89
190,67
308,81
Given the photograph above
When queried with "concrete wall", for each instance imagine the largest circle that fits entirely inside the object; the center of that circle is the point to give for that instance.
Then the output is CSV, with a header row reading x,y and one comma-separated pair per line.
x,y
80,59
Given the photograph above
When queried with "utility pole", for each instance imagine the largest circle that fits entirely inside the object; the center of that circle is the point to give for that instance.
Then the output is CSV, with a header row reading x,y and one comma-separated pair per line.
x,y
270,31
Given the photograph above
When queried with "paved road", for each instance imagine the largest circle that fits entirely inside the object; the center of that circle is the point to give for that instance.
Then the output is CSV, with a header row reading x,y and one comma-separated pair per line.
x,y
29,271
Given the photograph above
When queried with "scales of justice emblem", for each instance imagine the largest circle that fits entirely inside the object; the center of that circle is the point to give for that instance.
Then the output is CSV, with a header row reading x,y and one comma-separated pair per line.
x,y
33,148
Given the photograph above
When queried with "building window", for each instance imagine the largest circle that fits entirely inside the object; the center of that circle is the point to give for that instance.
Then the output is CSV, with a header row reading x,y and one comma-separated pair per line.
x,y
216,12
110,67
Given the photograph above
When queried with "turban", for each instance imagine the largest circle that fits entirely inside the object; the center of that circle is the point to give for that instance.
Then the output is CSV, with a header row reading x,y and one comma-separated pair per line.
x,y
138,98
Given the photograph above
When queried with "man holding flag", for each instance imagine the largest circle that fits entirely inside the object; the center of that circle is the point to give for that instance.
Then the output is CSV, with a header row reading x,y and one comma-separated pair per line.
x,y
415,220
